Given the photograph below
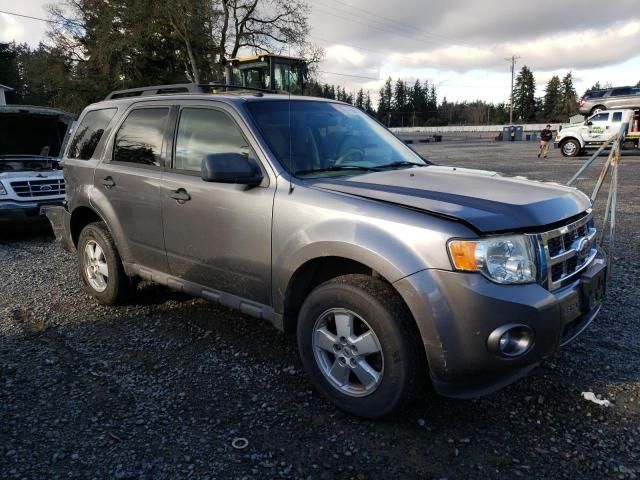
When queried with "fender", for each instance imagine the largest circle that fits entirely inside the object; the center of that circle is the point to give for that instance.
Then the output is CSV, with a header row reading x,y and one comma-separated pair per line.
x,y
379,249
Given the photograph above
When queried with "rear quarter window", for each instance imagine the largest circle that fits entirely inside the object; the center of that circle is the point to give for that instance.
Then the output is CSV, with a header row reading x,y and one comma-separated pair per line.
x,y
89,132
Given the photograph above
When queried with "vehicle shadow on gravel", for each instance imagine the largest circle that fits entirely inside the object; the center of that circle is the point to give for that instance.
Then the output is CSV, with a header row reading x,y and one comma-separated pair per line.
x,y
19,233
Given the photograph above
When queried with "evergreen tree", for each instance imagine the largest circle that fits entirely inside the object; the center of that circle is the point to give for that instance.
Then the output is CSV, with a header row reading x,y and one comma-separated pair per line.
x,y
384,102
524,95
569,100
432,102
368,107
360,99
399,103
552,101
418,105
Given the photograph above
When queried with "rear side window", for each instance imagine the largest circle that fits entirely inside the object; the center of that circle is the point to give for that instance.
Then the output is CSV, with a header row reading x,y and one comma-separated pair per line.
x,y
594,94
617,117
89,133
139,140
621,91
202,132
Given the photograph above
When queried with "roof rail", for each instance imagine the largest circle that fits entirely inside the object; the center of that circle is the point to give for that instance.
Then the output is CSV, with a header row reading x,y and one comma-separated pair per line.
x,y
180,88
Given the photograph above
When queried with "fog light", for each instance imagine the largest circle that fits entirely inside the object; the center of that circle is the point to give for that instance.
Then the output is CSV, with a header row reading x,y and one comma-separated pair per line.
x,y
511,340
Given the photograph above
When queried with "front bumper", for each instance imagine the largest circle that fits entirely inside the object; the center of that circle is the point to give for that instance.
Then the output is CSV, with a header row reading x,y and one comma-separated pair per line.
x,y
456,312
23,212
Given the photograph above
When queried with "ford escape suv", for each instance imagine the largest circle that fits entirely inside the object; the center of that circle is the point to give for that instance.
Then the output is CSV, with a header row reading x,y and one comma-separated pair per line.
x,y
309,214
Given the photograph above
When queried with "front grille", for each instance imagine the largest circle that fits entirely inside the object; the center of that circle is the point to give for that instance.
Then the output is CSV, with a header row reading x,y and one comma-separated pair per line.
x,y
566,251
39,188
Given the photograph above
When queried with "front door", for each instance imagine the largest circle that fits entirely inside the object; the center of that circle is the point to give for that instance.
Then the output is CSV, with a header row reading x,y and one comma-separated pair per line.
x,y
597,128
216,234
127,186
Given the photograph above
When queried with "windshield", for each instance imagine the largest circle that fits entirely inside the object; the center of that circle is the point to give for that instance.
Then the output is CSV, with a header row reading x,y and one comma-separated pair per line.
x,y
13,163
317,139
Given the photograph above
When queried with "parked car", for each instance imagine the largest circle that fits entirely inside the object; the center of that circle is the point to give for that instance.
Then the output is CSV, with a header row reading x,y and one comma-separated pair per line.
x,y
598,128
30,174
594,101
309,214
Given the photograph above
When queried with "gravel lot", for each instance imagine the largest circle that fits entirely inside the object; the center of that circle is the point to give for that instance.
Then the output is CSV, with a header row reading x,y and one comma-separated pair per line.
x,y
159,388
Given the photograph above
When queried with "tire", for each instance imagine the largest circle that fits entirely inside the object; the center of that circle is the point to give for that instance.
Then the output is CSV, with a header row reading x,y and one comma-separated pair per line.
x,y
596,109
570,148
372,305
101,271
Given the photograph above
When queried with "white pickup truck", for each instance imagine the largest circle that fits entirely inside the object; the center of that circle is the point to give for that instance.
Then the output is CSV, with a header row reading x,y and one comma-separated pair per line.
x,y
30,176
596,129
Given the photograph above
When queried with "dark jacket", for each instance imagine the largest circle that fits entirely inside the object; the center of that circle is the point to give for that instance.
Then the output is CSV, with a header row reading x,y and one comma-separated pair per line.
x,y
546,135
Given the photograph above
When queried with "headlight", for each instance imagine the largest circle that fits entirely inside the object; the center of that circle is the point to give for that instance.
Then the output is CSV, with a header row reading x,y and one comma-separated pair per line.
x,y
3,191
504,259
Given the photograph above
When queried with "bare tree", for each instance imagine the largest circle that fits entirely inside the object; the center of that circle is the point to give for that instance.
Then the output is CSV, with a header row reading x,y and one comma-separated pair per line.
x,y
262,26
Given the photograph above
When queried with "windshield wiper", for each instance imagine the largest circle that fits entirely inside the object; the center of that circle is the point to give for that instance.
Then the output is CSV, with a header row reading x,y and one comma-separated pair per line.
x,y
400,164
337,168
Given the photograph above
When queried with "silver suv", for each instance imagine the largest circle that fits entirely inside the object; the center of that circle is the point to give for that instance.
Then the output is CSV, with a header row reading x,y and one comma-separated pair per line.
x,y
309,214
594,101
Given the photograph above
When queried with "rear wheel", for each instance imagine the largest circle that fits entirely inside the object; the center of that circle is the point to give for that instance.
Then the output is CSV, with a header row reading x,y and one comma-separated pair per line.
x,y
360,346
570,148
597,109
101,270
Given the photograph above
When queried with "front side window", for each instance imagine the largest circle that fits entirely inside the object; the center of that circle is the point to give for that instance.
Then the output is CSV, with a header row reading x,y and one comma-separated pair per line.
x,y
139,140
315,139
89,133
202,132
600,117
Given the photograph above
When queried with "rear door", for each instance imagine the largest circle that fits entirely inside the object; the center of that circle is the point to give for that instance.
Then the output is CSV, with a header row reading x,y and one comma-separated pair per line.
x,y
127,185
619,98
217,234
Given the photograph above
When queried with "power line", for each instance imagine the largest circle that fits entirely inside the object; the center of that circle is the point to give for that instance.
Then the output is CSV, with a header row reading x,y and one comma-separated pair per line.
x,y
388,21
349,75
63,22
379,26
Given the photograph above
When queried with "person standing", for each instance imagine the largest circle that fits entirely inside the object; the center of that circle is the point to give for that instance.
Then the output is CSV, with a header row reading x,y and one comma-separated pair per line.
x,y
545,138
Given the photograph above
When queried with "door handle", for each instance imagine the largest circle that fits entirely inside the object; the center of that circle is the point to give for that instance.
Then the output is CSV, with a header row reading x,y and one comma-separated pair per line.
x,y
180,195
108,182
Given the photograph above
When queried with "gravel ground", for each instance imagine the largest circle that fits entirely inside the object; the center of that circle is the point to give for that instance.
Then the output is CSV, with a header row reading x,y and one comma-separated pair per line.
x,y
159,388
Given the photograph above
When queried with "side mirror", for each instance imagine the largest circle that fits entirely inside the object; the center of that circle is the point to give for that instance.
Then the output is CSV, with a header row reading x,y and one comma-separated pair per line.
x,y
588,123
230,168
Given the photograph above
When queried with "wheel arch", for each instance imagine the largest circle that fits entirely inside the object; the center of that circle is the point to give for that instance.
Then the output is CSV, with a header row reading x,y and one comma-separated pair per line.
x,y
80,218
567,139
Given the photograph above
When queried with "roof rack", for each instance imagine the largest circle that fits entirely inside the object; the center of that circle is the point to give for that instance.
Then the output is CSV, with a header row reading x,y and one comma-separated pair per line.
x,y
181,88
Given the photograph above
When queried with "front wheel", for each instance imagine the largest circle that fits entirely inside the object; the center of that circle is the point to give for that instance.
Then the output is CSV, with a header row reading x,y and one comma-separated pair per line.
x,y
101,270
360,346
570,148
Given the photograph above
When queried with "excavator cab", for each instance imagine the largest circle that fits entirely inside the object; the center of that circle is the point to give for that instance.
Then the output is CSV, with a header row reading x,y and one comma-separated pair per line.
x,y
269,72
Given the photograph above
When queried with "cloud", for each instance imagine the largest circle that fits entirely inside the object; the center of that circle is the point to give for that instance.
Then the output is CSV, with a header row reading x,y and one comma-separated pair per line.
x,y
571,50
10,28
345,55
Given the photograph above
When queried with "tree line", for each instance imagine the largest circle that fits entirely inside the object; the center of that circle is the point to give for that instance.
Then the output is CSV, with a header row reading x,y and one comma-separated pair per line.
x,y
96,46
560,100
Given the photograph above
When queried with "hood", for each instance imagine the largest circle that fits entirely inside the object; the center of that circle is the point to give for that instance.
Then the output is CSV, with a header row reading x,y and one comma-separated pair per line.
x,y
36,131
485,200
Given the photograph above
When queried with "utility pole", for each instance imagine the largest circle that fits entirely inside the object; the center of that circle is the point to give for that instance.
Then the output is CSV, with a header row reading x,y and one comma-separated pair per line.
x,y
513,72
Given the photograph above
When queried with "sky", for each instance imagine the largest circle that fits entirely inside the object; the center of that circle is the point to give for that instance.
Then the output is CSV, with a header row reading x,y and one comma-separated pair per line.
x,y
461,46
